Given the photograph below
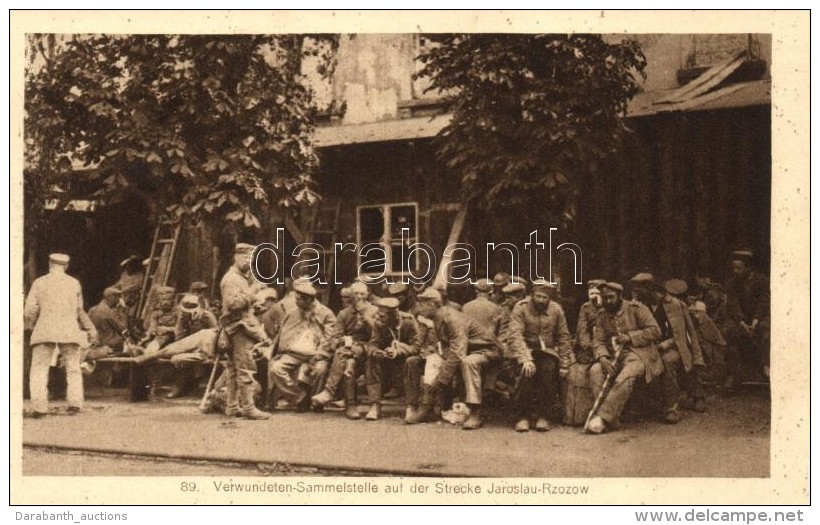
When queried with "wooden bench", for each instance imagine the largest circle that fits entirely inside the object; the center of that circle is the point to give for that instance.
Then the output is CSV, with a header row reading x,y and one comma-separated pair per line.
x,y
138,384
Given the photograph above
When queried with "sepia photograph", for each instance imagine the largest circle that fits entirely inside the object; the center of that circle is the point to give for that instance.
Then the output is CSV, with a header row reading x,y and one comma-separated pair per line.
x,y
447,263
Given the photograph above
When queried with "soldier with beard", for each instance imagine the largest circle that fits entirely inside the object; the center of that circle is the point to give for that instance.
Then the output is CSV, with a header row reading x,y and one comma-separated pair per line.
x,y
679,345
631,325
303,347
546,352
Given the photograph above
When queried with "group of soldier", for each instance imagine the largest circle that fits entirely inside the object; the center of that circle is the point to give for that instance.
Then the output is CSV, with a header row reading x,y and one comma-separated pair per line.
x,y
511,344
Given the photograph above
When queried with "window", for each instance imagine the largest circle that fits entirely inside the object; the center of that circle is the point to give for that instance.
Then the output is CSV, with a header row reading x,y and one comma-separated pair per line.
x,y
381,246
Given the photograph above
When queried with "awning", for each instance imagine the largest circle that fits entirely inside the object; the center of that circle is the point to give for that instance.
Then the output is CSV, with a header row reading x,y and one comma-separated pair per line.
x,y
741,95
386,130
745,94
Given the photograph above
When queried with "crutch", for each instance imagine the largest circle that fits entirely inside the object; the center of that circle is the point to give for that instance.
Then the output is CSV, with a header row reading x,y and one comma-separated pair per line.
x,y
610,378
217,355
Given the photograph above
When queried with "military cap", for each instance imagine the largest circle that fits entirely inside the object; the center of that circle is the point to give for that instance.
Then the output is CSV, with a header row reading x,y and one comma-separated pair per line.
x,y
501,279
514,288
111,291
266,293
542,283
358,287
698,306
744,254
676,286
304,288
613,286
128,260
646,279
390,303
430,294
346,292
59,258
397,288
243,247
595,283
198,286
189,302
483,285
166,290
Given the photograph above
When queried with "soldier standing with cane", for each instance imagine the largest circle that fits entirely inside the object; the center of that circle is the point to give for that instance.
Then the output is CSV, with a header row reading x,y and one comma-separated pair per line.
x,y
243,330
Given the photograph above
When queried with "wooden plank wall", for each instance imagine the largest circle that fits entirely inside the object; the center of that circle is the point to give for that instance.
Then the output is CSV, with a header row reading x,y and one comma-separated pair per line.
x,y
685,190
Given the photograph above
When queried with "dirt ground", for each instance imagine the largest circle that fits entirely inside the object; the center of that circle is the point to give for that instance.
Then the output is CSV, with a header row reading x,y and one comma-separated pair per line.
x,y
732,439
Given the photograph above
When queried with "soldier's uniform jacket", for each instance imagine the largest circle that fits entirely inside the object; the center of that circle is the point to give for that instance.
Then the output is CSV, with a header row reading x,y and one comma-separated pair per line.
x,y
162,322
356,322
708,332
726,317
428,340
110,324
586,322
188,324
54,310
485,312
531,327
635,320
319,320
459,333
272,319
406,333
514,347
752,296
683,332
237,291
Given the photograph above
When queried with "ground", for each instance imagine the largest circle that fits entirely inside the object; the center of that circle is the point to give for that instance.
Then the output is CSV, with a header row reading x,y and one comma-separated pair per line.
x,y
115,437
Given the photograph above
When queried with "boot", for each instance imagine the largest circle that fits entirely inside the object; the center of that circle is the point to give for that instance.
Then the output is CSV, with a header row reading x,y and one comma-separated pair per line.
x,y
543,425
249,410
374,413
596,425
672,415
351,410
322,398
232,401
523,425
425,411
181,385
475,421
699,405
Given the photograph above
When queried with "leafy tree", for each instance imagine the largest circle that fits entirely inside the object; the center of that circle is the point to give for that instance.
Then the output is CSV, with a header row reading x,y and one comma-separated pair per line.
x,y
532,114
215,127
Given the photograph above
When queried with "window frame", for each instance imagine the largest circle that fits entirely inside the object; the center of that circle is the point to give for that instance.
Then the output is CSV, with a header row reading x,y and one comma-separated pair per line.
x,y
387,217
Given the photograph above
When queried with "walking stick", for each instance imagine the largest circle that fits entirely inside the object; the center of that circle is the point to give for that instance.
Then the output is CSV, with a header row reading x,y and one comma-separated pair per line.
x,y
610,378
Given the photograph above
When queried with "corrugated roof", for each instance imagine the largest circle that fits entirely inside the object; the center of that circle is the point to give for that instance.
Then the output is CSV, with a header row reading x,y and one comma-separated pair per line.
x,y
757,93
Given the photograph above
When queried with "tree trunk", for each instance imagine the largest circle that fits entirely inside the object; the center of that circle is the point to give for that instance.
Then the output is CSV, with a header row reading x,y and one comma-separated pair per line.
x,y
455,235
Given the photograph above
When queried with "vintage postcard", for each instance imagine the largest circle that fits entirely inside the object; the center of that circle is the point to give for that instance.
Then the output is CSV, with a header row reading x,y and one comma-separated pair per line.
x,y
409,257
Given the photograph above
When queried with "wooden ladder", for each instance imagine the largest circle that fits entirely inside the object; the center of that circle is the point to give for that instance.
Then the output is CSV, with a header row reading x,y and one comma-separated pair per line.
x,y
158,271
